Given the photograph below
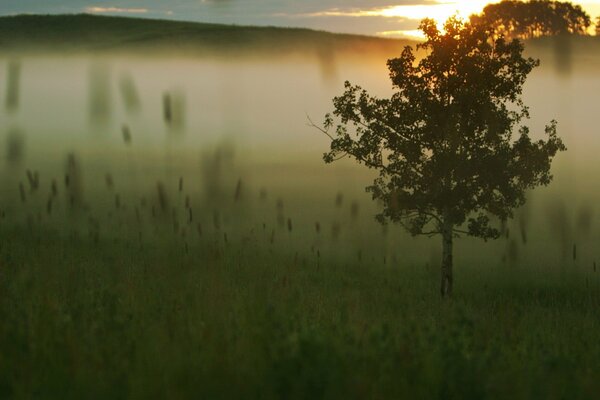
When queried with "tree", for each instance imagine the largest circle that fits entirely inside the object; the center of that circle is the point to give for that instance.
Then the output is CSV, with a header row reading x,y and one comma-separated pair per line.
x,y
535,18
443,143
598,26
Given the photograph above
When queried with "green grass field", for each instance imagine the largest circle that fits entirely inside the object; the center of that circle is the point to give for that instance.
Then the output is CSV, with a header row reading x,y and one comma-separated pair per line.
x,y
238,313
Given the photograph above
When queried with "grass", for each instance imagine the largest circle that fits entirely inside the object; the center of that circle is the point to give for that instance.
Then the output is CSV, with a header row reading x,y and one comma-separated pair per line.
x,y
119,319
133,300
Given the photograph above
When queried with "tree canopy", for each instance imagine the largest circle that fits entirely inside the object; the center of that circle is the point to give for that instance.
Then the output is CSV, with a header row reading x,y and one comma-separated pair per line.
x,y
443,143
535,18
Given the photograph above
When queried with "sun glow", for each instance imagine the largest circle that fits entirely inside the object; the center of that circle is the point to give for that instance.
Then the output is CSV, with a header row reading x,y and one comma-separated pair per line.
x,y
100,10
439,10
413,34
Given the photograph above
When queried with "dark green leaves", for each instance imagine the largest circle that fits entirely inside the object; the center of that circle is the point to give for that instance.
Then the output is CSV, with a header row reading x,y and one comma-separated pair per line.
x,y
443,143
535,18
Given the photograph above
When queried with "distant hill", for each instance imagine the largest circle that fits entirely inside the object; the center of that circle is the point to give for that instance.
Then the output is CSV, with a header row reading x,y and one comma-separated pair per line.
x,y
92,33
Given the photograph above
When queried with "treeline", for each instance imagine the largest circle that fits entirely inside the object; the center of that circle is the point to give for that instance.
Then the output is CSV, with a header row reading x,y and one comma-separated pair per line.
x,y
535,18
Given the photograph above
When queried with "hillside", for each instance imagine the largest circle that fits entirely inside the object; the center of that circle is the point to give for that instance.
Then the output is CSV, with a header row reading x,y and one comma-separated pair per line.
x,y
91,33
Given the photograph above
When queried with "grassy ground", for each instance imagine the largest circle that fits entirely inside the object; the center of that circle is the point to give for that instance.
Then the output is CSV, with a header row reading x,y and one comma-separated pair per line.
x,y
124,319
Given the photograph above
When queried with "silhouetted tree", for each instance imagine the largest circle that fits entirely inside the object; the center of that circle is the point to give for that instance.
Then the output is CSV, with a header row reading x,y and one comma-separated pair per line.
x,y
535,18
443,143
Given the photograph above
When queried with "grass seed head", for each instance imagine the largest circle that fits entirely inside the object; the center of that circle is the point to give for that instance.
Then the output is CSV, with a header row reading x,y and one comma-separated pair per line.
x,y
336,229
126,134
238,191
339,199
216,220
163,200
110,184
129,93
22,192
585,214
13,85
354,210
15,147
167,108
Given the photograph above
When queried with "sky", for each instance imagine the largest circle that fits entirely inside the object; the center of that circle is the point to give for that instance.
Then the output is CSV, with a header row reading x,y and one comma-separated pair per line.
x,y
372,17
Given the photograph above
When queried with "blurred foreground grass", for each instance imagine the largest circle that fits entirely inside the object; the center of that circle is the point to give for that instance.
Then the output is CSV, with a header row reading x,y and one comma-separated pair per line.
x,y
115,319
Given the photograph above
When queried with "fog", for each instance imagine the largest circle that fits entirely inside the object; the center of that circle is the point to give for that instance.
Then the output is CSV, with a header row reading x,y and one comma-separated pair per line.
x,y
219,129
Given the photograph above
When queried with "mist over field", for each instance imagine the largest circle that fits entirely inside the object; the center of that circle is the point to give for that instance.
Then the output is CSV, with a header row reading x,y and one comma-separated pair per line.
x,y
257,107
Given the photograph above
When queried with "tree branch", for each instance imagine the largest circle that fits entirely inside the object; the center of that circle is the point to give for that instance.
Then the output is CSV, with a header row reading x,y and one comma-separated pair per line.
x,y
438,219
313,125
430,233
460,231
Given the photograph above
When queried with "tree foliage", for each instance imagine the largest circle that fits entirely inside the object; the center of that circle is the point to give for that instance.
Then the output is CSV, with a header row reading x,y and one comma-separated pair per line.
x,y
598,26
535,18
443,143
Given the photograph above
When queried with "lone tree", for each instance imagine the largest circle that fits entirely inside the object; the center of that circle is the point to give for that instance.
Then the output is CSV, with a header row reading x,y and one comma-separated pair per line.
x,y
443,143
535,18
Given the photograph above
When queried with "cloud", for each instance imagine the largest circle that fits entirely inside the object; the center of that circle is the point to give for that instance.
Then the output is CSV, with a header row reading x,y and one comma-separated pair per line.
x,y
336,12
403,34
437,9
99,10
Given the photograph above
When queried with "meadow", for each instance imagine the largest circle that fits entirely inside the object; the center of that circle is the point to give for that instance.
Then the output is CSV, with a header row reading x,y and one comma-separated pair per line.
x,y
238,315
168,229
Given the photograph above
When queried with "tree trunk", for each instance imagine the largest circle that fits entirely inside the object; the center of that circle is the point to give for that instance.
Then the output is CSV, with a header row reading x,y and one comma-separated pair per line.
x,y
446,287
